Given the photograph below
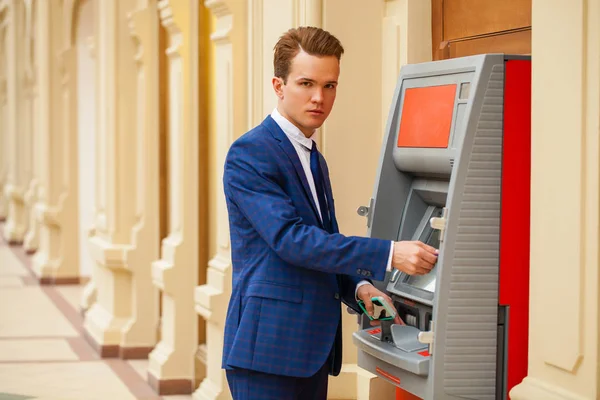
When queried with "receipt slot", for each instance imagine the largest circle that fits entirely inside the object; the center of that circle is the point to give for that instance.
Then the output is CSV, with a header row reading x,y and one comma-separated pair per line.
x,y
454,173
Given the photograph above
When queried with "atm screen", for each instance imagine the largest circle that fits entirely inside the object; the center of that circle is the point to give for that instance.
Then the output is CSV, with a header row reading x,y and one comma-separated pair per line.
x,y
426,282
427,116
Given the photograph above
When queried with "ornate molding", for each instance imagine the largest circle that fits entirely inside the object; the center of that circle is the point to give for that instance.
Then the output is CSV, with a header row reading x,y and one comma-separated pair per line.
x,y
112,256
224,25
173,32
165,13
219,8
137,40
46,215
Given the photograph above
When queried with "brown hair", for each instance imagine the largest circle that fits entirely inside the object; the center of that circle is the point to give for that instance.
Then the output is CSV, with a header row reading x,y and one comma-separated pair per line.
x,y
314,41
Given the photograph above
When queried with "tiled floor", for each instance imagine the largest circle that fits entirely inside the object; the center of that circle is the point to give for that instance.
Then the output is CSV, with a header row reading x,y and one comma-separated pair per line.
x,y
43,354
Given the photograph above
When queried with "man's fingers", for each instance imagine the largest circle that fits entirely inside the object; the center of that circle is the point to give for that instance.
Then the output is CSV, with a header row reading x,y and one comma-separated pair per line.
x,y
419,270
428,257
398,320
428,248
369,306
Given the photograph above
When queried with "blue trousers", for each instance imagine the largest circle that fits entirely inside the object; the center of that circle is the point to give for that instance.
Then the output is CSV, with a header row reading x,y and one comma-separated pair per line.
x,y
252,385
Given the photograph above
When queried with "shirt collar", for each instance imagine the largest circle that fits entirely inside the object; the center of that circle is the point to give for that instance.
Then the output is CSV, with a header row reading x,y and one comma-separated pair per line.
x,y
291,130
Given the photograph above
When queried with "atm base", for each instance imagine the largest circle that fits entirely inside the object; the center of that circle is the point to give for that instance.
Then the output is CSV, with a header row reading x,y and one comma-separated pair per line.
x,y
407,370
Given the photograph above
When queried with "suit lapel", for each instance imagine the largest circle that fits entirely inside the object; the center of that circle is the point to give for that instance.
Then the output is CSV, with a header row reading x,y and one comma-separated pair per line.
x,y
290,151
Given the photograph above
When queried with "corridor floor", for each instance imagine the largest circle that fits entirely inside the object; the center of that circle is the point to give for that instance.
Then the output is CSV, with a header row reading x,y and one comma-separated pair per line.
x,y
43,354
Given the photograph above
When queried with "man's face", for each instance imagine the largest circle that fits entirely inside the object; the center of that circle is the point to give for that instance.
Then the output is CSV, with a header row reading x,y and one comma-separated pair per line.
x,y
308,96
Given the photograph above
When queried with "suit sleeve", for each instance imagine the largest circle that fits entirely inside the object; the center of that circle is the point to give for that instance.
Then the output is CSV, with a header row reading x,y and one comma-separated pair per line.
x,y
348,291
251,183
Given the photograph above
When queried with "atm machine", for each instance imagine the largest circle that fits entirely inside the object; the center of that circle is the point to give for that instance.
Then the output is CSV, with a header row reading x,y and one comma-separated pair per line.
x,y
454,173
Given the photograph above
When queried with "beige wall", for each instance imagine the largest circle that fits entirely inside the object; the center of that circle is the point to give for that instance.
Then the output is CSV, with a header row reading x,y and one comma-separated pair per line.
x,y
86,130
563,340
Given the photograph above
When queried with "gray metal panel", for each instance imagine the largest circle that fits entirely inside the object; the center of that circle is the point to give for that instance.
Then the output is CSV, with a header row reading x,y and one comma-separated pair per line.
x,y
388,352
410,382
433,161
465,307
466,303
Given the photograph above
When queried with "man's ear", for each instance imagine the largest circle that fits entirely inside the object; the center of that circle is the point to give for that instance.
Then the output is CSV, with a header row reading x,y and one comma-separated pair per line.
x,y
278,86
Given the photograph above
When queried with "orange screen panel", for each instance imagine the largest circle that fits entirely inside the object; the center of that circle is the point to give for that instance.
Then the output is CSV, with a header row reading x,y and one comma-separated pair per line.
x,y
427,116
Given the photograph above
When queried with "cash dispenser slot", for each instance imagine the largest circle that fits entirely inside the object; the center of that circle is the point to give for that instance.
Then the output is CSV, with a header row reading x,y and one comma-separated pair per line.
x,y
409,314
407,354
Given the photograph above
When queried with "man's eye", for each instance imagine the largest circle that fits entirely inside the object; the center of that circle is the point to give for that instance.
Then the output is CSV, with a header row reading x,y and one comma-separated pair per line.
x,y
330,86
305,83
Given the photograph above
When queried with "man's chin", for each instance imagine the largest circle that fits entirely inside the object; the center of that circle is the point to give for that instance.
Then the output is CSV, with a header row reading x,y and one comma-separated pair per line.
x,y
314,125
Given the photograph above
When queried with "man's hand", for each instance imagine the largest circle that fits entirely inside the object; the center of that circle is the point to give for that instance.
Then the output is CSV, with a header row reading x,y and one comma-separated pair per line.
x,y
414,257
366,292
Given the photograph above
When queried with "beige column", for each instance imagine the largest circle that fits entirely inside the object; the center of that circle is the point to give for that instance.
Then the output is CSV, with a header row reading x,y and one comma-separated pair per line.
x,y
3,112
124,317
564,294
171,368
406,35
31,241
18,140
89,293
230,39
56,207
346,139
405,31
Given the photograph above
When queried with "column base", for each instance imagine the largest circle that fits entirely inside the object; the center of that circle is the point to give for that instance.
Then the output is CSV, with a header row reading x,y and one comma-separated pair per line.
x,y
16,223
12,235
103,331
162,361
46,273
88,298
211,391
30,243
165,387
15,243
534,389
134,353
62,280
104,351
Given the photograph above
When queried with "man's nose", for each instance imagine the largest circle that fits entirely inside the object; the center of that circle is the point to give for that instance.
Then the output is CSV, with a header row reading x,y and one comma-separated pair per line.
x,y
317,95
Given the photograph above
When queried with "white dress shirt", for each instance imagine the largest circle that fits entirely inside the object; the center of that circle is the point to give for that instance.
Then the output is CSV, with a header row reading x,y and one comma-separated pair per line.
x,y
303,145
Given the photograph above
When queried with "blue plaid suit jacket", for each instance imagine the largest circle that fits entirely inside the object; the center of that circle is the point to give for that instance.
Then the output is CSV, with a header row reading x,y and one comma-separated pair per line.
x,y
289,275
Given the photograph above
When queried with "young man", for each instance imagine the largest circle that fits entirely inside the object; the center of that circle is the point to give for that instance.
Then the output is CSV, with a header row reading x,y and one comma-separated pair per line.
x,y
291,266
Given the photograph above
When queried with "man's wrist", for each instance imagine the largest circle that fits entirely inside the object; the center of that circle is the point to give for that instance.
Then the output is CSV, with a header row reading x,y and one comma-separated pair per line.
x,y
388,268
359,284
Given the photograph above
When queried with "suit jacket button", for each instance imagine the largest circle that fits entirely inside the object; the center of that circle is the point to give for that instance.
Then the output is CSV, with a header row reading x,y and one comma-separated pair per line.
x,y
337,296
358,271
